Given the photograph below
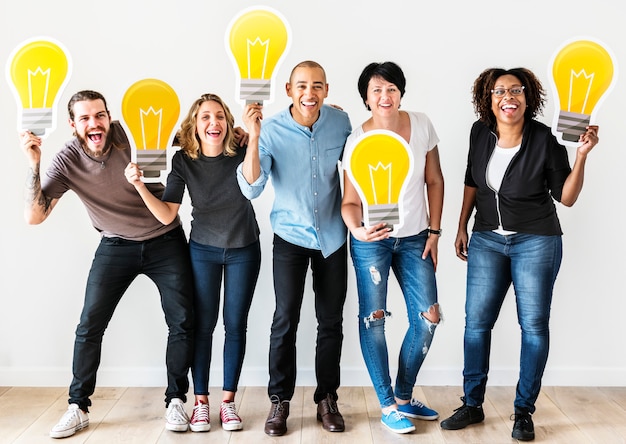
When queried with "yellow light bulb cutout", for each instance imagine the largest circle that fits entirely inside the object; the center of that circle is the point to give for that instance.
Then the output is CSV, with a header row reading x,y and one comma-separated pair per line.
x,y
151,109
582,72
38,70
256,40
379,166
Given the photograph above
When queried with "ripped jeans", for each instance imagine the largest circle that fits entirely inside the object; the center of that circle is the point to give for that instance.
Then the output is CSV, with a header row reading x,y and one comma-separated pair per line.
x,y
416,276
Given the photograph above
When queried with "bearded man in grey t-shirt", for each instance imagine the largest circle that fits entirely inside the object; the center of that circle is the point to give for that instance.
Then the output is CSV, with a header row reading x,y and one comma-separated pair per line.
x,y
132,242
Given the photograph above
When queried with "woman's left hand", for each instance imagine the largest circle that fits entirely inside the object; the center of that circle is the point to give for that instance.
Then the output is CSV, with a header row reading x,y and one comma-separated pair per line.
x,y
589,139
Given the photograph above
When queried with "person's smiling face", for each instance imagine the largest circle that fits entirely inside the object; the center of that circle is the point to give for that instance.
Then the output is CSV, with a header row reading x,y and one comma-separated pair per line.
x,y
91,125
508,101
383,97
307,89
211,125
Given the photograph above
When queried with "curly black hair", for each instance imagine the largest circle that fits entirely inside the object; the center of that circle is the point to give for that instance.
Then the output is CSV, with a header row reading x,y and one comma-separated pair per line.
x,y
481,93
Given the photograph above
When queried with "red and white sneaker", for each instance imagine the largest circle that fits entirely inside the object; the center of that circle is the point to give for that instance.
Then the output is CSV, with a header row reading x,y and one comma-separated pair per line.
x,y
200,421
229,417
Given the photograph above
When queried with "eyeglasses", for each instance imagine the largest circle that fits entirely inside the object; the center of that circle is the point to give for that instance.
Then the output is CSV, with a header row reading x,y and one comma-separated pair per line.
x,y
515,91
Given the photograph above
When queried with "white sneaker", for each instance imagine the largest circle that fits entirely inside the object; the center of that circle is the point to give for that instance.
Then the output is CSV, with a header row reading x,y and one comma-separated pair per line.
x,y
229,417
176,418
73,420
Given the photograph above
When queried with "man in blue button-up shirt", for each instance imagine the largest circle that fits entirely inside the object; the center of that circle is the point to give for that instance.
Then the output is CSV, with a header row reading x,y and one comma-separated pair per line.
x,y
299,148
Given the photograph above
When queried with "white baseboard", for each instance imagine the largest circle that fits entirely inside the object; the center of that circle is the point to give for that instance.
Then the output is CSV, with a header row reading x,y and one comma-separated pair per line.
x,y
155,377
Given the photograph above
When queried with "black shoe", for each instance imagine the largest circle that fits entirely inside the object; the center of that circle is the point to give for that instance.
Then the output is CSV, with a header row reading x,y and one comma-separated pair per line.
x,y
523,429
276,423
463,416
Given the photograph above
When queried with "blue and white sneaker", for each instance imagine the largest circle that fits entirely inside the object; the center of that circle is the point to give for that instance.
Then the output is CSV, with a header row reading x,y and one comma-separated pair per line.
x,y
417,410
397,422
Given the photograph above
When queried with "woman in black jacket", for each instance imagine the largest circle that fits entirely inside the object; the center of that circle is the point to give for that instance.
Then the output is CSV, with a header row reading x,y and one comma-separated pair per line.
x,y
515,169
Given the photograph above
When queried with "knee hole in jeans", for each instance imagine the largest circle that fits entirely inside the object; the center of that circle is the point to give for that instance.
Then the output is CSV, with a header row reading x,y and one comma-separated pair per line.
x,y
376,316
432,317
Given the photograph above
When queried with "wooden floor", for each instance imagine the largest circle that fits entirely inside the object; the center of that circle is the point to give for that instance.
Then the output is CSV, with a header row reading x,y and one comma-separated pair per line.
x,y
569,415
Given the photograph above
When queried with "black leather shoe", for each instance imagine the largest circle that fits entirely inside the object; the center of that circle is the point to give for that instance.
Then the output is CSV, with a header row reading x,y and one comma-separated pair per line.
x,y
463,416
328,414
276,423
523,429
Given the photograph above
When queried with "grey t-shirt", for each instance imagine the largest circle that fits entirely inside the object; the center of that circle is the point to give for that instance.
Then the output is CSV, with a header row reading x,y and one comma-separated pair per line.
x,y
113,204
222,216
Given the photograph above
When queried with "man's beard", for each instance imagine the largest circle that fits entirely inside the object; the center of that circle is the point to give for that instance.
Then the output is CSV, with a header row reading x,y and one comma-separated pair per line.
x,y
84,142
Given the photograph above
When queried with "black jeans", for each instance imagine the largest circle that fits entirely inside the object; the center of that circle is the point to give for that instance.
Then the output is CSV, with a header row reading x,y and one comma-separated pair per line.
x,y
117,262
329,285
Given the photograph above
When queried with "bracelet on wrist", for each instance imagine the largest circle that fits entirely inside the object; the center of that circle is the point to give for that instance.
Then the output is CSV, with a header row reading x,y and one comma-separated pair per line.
x,y
437,232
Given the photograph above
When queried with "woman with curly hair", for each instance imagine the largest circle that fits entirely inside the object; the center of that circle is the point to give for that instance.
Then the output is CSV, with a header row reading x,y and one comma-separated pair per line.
x,y
224,241
515,168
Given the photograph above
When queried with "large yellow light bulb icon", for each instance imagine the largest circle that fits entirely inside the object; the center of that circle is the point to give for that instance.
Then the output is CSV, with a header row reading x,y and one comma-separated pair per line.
x,y
379,166
150,109
38,70
256,40
582,72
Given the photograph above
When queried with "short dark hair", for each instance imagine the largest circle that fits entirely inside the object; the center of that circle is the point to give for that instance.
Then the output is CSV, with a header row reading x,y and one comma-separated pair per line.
x,y
481,93
307,64
82,96
389,71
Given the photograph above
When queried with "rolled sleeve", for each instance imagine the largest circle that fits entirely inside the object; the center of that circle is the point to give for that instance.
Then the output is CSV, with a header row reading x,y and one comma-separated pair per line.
x,y
251,190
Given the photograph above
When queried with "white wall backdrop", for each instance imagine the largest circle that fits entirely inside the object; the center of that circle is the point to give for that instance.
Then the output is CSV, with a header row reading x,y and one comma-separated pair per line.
x,y
442,46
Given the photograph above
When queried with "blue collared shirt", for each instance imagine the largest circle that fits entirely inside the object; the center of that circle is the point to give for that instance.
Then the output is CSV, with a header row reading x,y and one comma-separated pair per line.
x,y
303,166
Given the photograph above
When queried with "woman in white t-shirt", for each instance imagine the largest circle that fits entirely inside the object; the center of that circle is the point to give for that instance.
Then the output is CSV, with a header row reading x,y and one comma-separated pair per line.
x,y
410,251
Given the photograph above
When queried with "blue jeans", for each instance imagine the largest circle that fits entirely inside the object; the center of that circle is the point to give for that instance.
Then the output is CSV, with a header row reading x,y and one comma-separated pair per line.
x,y
117,262
240,268
416,276
330,283
531,263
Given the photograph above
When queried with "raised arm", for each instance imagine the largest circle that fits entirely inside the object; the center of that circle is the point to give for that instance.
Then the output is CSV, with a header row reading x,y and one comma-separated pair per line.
x,y
165,212
252,117
574,182
37,206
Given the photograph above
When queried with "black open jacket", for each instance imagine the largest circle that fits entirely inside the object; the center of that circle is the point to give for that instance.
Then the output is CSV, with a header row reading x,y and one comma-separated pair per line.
x,y
534,177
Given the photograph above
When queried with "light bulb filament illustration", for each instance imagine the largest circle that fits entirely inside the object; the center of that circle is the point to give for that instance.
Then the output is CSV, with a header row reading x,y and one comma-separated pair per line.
x,y
38,70
574,79
262,51
385,179
256,40
40,84
151,126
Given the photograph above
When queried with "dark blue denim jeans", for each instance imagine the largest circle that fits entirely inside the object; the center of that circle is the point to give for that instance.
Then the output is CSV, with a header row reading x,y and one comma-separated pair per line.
x,y
117,262
240,268
330,282
373,262
531,263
